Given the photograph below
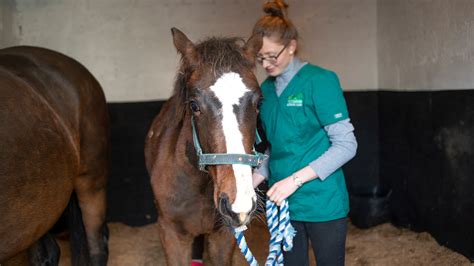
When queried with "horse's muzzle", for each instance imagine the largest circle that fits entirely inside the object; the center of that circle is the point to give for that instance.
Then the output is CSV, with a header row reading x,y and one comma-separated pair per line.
x,y
231,218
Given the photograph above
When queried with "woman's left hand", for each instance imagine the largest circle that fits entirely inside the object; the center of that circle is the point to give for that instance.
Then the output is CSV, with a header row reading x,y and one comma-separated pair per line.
x,y
281,190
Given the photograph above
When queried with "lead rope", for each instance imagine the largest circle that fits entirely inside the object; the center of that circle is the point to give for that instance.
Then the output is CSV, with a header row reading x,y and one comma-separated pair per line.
x,y
281,235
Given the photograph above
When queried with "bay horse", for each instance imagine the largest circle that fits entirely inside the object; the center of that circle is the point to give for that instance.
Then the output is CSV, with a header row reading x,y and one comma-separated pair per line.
x,y
212,110
54,145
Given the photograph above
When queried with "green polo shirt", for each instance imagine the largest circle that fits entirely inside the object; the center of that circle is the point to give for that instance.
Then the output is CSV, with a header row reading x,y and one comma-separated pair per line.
x,y
294,126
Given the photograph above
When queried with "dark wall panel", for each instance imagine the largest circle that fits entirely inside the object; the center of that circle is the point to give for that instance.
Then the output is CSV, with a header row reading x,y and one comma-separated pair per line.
x,y
426,158
130,199
362,172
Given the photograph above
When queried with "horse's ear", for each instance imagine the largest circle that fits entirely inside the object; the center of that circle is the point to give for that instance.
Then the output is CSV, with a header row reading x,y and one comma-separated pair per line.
x,y
252,47
184,46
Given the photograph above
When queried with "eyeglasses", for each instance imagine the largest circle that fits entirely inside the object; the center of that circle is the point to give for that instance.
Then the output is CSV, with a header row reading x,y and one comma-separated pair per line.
x,y
272,59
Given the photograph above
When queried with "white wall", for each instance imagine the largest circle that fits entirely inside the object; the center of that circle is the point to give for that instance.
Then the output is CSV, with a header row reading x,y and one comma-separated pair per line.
x,y
127,44
7,13
426,44
340,35
1,25
371,44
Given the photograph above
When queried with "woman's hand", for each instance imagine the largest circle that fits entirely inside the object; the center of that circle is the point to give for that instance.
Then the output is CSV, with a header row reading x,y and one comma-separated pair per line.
x,y
285,187
281,190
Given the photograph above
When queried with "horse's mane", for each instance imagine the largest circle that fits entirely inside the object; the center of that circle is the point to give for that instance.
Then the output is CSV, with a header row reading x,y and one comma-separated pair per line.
x,y
220,54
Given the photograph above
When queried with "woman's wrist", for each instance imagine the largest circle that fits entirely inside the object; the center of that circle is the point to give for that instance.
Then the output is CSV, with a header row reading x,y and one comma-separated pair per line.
x,y
304,175
298,182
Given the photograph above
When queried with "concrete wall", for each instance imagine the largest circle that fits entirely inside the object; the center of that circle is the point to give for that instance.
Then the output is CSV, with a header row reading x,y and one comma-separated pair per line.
x,y
340,35
395,45
7,12
1,25
426,44
127,44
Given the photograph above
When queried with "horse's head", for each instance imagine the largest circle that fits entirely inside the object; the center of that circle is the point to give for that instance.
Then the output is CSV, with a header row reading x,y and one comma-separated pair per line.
x,y
221,93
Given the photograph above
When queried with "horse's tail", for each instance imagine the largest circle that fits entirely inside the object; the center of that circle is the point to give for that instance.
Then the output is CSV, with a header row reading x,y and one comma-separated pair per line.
x,y
77,235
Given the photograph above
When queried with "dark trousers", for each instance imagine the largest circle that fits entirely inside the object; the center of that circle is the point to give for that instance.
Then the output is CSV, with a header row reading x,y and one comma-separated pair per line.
x,y
328,240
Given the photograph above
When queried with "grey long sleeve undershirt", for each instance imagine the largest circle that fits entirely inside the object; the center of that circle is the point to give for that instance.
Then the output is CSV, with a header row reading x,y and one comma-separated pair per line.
x,y
343,148
341,135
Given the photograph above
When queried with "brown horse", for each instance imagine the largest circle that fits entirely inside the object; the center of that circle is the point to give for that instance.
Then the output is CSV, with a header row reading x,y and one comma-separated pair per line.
x,y
54,140
217,94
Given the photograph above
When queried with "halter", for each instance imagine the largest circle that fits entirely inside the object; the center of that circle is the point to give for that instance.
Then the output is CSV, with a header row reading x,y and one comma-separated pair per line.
x,y
253,160
281,230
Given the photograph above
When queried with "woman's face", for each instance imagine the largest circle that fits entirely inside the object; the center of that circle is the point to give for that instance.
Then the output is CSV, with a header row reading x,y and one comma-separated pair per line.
x,y
274,56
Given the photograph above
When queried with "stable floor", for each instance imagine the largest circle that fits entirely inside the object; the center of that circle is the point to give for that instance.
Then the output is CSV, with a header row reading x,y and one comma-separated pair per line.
x,y
380,245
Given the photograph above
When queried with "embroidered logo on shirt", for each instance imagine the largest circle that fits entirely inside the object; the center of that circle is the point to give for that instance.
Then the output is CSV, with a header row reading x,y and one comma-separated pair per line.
x,y
338,115
295,100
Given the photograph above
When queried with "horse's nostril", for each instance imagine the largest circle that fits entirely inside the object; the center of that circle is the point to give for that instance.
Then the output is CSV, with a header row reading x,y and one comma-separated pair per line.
x,y
233,217
224,203
224,196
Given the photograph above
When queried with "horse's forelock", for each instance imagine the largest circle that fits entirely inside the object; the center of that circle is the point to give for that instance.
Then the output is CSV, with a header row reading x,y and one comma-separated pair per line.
x,y
223,54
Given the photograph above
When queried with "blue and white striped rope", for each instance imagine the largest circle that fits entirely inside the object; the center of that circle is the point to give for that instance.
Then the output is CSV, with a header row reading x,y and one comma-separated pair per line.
x,y
281,235
239,235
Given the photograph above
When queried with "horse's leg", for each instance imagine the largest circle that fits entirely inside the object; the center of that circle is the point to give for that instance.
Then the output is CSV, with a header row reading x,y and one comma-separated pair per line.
x,y
45,251
91,193
220,247
90,185
20,259
177,246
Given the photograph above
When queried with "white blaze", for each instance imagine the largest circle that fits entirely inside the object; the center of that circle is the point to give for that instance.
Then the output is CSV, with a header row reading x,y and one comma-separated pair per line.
x,y
229,88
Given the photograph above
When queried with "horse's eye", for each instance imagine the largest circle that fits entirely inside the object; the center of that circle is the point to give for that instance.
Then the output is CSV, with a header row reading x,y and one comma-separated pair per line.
x,y
194,106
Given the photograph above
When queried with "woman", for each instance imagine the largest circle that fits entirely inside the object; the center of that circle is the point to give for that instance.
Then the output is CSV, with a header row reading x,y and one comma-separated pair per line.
x,y
307,125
